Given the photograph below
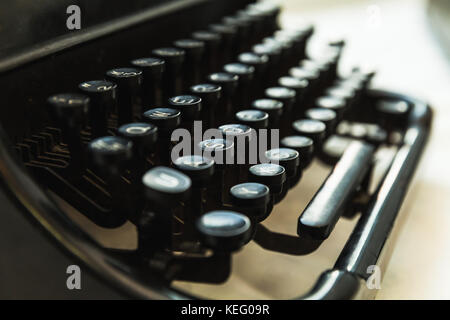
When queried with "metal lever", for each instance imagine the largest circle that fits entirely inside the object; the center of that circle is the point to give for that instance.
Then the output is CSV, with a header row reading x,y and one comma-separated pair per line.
x,y
324,210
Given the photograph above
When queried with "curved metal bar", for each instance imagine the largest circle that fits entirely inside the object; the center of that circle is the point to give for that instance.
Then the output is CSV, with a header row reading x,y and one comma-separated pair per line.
x,y
371,234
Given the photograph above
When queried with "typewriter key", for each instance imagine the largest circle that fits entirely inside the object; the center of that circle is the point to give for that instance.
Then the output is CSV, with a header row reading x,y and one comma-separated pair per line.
x,y
260,63
195,50
327,116
174,59
300,86
200,170
274,54
289,159
153,70
129,81
338,105
109,155
285,95
212,41
224,231
229,84
189,105
287,51
166,120
255,119
69,112
229,35
103,99
244,30
252,199
314,129
269,174
245,74
222,152
164,189
303,145
143,135
241,136
313,77
210,95
273,107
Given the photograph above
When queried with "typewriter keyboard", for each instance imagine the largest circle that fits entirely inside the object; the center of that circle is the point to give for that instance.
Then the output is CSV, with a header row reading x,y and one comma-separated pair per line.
x,y
221,164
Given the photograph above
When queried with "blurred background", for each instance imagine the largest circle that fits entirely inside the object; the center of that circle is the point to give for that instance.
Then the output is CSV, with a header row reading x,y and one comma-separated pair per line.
x,y
407,42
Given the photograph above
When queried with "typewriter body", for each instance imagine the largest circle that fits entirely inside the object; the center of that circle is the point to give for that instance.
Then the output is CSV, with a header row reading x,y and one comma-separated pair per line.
x,y
89,176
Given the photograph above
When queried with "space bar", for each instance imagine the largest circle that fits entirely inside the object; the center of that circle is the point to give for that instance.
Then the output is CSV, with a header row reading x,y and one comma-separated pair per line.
x,y
322,213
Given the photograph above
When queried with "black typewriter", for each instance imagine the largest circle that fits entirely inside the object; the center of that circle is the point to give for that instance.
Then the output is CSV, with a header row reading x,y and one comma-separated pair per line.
x,y
193,149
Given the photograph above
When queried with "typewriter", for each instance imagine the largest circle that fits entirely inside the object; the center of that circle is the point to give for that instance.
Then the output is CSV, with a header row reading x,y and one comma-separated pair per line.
x,y
193,149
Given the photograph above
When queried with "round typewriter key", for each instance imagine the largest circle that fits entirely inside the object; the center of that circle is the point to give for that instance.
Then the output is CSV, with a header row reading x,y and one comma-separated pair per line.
x,y
103,95
69,112
110,154
245,72
287,51
229,84
174,59
243,32
212,41
273,107
143,136
69,108
129,81
255,119
288,158
344,93
198,168
250,195
227,81
334,103
252,199
201,172
316,130
167,120
193,48
313,77
153,69
194,53
164,189
221,150
260,63
246,75
233,130
241,136
255,60
229,35
327,116
166,186
189,105
269,174
285,95
210,95
274,54
224,231
303,145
